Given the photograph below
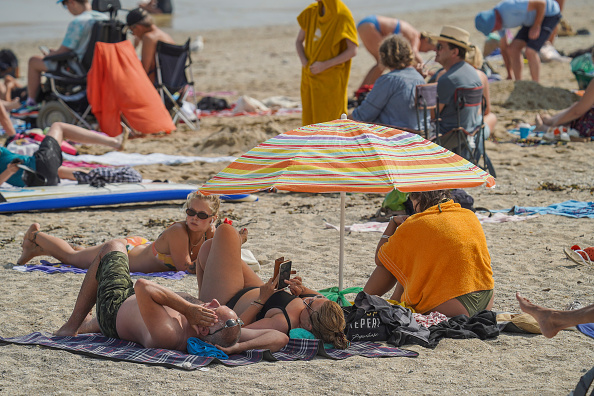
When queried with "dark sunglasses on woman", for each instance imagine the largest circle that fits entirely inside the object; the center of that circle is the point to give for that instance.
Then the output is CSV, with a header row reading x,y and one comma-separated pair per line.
x,y
200,215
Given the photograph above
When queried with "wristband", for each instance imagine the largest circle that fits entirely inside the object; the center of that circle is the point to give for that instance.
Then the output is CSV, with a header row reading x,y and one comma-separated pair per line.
x,y
257,302
385,236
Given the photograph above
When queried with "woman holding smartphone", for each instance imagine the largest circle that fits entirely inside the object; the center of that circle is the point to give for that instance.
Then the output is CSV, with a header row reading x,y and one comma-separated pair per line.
x,y
176,249
222,275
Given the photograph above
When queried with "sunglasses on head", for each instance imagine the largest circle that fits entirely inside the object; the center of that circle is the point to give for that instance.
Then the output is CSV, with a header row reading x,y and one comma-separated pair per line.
x,y
311,300
229,323
200,215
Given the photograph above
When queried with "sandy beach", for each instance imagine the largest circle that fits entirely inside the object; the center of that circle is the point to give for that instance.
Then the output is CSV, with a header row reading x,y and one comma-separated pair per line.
x,y
527,256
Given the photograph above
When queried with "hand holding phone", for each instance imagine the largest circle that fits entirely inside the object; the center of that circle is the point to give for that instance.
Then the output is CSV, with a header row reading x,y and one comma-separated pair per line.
x,y
284,273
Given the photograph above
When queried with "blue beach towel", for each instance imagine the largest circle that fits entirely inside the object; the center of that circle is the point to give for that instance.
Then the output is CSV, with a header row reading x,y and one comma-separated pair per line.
x,y
587,329
571,208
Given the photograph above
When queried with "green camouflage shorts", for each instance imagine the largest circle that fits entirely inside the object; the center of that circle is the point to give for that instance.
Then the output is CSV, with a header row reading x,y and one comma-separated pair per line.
x,y
114,287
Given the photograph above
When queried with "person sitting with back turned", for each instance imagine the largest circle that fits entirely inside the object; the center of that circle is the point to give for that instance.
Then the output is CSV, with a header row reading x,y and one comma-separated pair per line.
x,y
452,45
374,28
142,26
76,39
392,99
537,18
153,315
437,258
47,160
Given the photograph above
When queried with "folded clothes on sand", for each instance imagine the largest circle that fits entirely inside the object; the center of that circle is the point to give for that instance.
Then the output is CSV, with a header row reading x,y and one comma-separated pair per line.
x,y
116,349
200,348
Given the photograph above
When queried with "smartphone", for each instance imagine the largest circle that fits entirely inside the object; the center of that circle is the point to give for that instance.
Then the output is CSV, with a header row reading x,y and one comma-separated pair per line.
x,y
284,274
44,49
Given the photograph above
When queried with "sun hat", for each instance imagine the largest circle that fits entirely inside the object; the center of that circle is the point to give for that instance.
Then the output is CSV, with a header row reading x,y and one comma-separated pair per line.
x,y
485,22
135,16
454,35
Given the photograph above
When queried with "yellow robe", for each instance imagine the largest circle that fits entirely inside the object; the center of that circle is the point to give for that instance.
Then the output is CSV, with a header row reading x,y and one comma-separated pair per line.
x,y
437,256
324,95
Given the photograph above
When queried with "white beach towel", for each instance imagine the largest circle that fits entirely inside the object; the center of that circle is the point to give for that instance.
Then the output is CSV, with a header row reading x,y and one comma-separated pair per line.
x,y
133,159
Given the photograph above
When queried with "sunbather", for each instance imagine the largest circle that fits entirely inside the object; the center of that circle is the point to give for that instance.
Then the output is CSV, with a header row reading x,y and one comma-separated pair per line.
x,y
47,161
153,315
552,321
221,274
374,28
579,116
437,259
176,249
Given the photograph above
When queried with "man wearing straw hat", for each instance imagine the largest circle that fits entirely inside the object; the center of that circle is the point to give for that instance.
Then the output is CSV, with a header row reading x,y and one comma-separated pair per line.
x,y
452,46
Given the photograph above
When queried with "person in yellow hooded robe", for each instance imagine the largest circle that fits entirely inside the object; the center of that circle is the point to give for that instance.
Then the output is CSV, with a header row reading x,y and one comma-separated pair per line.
x,y
325,44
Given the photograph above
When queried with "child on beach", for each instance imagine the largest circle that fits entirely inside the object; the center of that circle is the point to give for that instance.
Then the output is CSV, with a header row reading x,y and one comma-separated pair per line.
x,y
325,45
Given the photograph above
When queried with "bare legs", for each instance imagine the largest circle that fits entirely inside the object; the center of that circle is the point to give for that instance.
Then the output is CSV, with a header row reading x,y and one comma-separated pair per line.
x,y
80,320
371,39
551,321
220,271
36,67
36,243
516,60
533,63
62,131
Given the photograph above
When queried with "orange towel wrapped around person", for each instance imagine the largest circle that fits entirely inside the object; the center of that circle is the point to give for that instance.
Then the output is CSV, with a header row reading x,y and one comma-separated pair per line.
x,y
438,257
118,85
325,44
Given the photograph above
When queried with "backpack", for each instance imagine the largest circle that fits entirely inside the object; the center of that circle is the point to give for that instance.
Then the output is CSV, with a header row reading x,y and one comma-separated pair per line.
x,y
9,64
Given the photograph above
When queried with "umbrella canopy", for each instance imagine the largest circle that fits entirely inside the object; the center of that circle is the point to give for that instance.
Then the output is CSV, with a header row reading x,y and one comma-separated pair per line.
x,y
347,156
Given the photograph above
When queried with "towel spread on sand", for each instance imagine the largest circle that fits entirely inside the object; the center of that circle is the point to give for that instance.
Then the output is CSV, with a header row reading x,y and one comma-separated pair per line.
x,y
116,349
451,259
324,95
118,85
52,268
571,208
117,158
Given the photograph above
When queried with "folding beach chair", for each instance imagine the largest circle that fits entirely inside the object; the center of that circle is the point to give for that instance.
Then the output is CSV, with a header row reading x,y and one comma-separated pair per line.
x,y
468,144
425,103
174,79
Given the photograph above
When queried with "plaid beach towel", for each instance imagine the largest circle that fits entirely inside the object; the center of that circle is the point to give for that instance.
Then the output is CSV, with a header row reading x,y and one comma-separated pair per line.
x,y
116,349
52,268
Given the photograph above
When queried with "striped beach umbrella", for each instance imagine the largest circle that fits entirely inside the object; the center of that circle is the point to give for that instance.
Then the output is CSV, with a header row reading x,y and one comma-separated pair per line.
x,y
347,156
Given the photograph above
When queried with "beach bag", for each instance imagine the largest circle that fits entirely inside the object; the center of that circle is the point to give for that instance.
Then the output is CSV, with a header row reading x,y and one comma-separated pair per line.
x,y
395,200
98,177
211,103
582,68
364,322
463,198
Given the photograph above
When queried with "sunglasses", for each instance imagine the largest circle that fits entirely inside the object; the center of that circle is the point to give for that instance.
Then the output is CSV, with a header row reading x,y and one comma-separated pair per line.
x,y
200,215
229,323
311,300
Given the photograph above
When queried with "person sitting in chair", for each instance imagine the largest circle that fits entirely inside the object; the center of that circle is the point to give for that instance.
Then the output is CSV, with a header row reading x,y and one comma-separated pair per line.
x,y
142,26
76,39
452,45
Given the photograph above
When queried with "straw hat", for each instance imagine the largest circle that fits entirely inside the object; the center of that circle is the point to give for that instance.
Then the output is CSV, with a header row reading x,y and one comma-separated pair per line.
x,y
454,35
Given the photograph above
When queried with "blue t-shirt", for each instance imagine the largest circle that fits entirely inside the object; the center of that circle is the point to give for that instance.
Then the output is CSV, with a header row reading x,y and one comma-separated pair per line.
x,y
392,100
460,75
6,157
79,29
515,13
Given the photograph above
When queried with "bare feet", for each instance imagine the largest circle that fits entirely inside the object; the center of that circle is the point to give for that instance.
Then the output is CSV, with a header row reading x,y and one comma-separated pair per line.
x,y
69,329
89,325
243,234
30,247
544,316
539,124
123,138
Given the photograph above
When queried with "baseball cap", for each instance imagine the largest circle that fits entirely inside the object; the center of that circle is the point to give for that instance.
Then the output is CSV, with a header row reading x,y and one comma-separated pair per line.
x,y
485,22
135,16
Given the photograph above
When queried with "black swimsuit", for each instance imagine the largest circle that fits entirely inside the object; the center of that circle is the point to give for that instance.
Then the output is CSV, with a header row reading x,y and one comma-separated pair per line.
x,y
279,299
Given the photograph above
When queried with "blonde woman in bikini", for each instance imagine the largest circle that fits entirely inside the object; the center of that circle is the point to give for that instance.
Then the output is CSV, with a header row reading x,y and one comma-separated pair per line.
x,y
176,249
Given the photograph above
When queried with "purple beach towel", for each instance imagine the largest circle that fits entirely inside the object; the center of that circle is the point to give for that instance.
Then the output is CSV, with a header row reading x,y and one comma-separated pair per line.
x,y
116,349
52,268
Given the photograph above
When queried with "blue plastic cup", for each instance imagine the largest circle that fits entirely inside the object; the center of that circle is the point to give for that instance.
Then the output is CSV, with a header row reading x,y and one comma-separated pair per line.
x,y
524,131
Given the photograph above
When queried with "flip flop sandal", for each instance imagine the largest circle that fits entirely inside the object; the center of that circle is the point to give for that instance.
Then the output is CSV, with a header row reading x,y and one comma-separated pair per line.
x,y
576,257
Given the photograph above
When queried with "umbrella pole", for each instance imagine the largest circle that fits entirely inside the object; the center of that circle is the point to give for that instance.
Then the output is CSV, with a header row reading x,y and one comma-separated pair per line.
x,y
342,225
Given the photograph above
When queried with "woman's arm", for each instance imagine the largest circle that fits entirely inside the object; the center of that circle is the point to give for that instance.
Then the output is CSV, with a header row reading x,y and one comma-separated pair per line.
x,y
348,53
300,48
574,111
393,224
297,288
266,290
178,245
258,339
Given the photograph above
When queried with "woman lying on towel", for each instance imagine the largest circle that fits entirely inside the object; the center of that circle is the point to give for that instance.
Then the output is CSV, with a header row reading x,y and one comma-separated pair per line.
x,y
437,258
222,275
176,249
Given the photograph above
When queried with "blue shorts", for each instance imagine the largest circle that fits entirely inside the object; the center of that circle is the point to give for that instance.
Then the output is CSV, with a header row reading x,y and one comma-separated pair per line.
x,y
373,20
547,27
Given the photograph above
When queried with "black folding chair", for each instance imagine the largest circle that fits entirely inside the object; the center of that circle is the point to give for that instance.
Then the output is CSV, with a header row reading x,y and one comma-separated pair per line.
x,y
459,139
174,79
425,101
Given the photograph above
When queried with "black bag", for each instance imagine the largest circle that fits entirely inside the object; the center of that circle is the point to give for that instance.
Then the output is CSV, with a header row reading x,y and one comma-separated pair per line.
x,y
463,198
210,103
362,325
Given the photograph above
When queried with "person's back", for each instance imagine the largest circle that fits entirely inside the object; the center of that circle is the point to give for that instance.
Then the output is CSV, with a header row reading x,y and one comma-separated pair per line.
x,y
79,31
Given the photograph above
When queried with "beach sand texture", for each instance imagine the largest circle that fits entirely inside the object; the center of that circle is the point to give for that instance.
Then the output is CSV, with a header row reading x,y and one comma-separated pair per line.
x,y
526,256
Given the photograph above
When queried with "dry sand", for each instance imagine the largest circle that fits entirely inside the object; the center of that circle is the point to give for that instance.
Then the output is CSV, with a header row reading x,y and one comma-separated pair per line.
x,y
526,256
